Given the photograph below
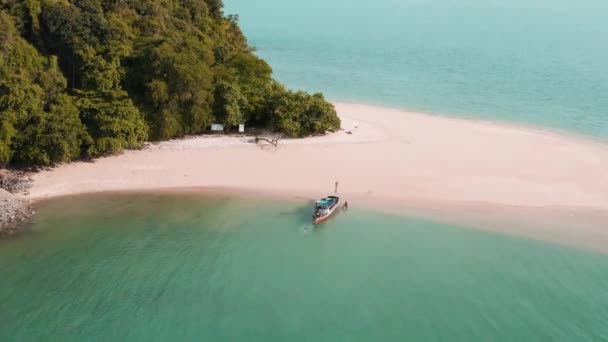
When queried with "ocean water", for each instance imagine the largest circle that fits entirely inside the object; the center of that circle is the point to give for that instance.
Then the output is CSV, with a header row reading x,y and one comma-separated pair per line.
x,y
191,268
542,63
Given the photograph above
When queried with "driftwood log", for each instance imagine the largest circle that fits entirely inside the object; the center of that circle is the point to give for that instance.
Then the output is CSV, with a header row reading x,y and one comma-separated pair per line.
x,y
271,141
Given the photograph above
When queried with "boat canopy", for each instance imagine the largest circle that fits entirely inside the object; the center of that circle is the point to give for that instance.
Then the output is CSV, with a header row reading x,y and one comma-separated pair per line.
x,y
326,202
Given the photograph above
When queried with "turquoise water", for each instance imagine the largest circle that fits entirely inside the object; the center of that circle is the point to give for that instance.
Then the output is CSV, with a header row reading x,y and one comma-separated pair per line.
x,y
186,268
542,63
190,268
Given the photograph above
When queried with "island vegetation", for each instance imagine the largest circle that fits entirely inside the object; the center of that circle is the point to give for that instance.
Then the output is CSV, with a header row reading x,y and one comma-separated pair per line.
x,y
85,78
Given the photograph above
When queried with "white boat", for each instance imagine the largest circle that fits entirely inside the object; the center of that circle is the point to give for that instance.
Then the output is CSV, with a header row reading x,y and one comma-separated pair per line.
x,y
325,207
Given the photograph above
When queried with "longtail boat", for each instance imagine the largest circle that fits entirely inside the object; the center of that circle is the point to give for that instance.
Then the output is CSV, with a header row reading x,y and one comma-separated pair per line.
x,y
326,207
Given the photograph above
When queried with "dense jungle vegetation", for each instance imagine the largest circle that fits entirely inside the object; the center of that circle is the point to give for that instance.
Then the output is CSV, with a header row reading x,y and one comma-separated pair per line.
x,y
84,78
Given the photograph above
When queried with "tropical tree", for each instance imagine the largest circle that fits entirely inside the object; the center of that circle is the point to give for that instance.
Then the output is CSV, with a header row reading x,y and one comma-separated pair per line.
x,y
83,78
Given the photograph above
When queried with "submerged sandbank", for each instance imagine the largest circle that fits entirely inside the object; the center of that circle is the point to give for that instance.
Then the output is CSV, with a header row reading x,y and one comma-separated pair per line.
x,y
384,158
573,226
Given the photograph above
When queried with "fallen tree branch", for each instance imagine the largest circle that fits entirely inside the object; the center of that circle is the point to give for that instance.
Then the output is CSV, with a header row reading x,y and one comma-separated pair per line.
x,y
274,142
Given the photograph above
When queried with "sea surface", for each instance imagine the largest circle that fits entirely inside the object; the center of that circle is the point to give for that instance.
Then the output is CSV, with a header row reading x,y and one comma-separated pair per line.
x,y
542,63
194,268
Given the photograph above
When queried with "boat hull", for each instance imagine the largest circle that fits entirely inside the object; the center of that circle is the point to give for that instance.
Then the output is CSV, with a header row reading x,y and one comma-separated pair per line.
x,y
320,219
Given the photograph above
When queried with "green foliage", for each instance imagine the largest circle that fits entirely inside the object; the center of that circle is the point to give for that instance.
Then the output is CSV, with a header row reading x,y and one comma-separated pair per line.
x,y
215,7
83,78
298,114
230,104
52,137
31,89
113,122
253,75
172,79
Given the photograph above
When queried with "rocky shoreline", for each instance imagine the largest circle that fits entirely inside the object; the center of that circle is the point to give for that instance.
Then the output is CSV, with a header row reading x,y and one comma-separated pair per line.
x,y
14,208
13,212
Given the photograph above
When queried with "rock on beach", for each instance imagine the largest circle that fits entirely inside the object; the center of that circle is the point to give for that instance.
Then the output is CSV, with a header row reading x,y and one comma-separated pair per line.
x,y
14,210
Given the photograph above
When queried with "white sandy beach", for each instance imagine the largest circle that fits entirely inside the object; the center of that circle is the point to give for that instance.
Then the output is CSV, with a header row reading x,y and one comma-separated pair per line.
x,y
405,161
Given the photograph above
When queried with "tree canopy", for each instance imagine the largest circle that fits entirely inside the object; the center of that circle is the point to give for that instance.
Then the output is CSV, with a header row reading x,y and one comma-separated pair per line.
x,y
84,78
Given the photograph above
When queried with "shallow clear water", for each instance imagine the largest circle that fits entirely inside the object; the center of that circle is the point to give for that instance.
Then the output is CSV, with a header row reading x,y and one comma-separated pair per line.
x,y
542,63
168,267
